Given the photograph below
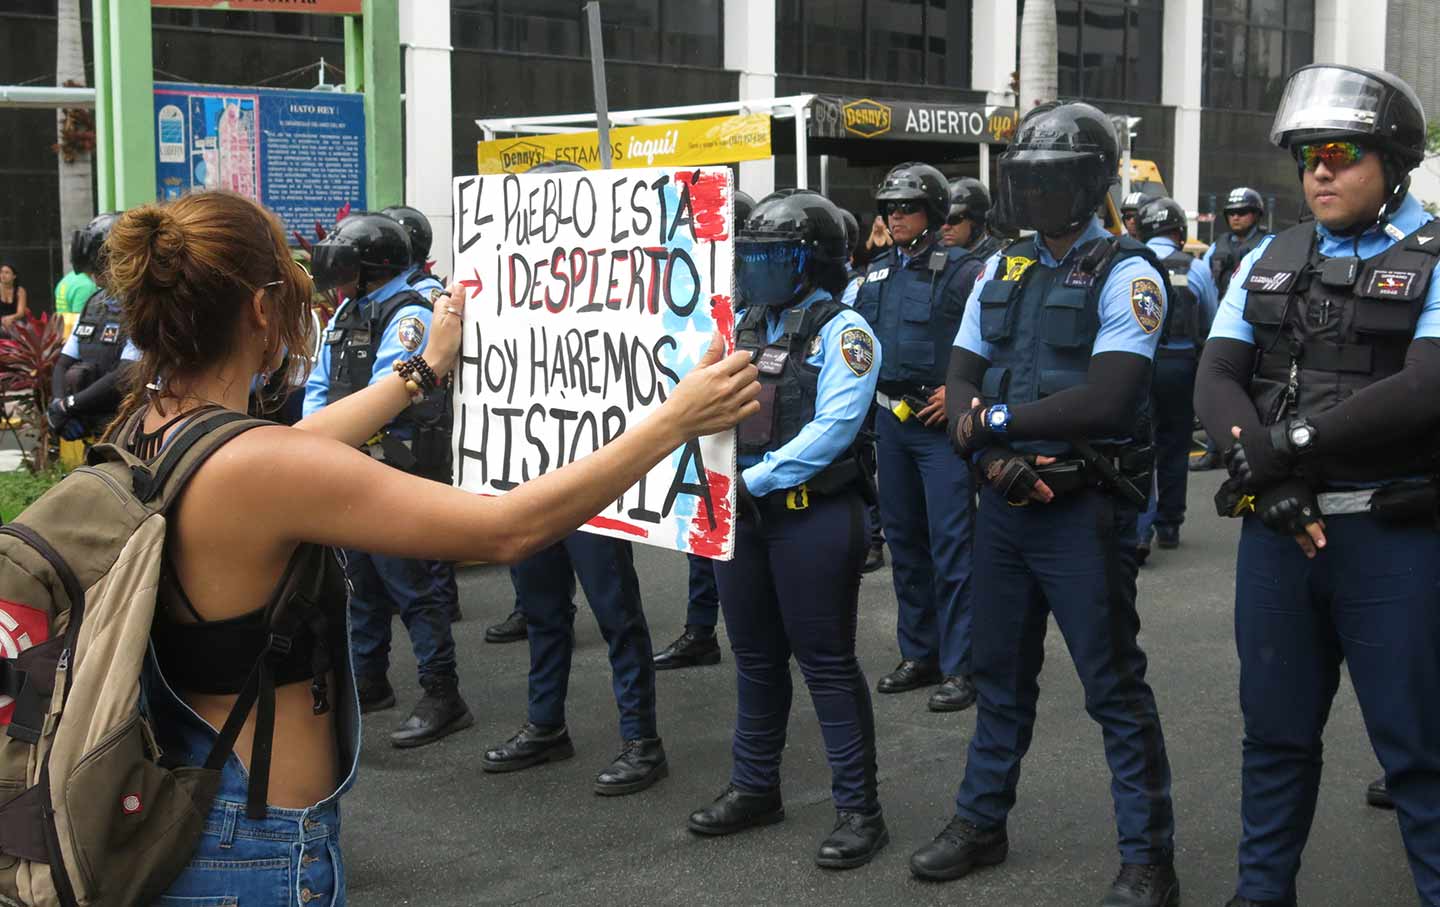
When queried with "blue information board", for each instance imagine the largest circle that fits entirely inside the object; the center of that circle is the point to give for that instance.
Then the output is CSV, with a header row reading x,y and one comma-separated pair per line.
x,y
299,153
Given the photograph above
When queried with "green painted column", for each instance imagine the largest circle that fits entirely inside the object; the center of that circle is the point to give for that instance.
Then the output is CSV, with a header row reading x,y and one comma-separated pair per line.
x,y
131,95
354,53
385,180
104,134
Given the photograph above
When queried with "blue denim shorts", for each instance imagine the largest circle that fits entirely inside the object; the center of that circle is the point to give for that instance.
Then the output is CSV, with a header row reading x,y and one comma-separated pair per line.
x,y
290,858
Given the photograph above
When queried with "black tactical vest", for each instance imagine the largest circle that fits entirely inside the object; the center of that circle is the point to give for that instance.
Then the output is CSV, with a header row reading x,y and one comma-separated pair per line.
x,y
354,338
1327,327
1182,313
100,335
788,383
1229,251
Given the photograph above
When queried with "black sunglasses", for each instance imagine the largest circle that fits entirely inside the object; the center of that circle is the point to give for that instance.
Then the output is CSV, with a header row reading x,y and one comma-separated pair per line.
x,y
954,220
907,206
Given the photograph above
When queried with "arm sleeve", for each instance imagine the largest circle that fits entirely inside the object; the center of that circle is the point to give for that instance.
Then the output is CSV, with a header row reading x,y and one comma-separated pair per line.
x,y
1394,409
842,401
962,382
104,395
1103,407
57,377
1222,398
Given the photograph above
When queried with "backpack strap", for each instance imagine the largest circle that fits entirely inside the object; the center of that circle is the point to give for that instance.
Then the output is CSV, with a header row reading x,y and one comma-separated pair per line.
x,y
159,482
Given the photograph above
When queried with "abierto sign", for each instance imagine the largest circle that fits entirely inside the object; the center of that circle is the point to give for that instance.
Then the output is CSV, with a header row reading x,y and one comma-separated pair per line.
x,y
590,295
871,118
690,143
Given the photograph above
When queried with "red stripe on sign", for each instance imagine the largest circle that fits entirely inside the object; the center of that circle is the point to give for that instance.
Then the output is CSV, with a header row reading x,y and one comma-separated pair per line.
x,y
601,522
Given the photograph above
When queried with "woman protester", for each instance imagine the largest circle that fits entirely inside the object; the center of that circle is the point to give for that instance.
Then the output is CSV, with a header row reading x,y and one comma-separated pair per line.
x,y
212,299
13,303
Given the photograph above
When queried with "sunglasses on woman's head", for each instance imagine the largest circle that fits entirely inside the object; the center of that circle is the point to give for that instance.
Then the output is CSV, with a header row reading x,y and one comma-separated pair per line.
x,y
1334,155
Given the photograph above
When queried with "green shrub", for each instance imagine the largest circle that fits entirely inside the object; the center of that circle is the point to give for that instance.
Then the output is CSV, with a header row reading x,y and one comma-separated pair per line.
x,y
20,488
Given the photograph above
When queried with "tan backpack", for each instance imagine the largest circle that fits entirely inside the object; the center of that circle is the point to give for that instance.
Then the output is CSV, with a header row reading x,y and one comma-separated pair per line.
x,y
88,814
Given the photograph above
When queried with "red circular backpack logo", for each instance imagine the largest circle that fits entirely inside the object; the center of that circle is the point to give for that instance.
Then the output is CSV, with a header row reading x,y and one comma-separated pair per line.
x,y
21,628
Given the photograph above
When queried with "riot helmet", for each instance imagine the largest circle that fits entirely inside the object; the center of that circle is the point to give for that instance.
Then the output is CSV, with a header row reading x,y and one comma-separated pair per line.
x,y
793,242
1242,199
916,182
1160,216
1331,102
85,250
969,198
852,231
1058,169
418,226
556,167
1131,204
363,248
744,206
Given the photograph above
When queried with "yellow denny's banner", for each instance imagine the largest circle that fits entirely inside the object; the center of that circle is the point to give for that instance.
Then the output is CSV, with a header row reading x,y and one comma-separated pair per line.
x,y
691,143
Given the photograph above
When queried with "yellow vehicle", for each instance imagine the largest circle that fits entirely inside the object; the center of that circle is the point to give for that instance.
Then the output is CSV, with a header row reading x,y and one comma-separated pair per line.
x,y
1145,178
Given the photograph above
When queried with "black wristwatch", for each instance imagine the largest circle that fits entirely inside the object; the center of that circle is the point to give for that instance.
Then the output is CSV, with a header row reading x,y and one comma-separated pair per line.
x,y
1301,435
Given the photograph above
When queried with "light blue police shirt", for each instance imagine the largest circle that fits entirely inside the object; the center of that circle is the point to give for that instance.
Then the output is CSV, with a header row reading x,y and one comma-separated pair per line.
x,y
842,400
1230,323
1202,284
1120,327
317,387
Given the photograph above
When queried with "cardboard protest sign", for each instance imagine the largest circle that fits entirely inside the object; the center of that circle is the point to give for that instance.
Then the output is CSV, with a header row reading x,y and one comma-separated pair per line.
x,y
590,295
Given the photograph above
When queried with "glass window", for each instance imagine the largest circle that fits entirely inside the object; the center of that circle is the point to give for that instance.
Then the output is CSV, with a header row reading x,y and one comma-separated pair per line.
x,y
1103,51
1246,67
920,42
541,27
948,43
692,32
1267,12
789,37
1142,50
1067,46
835,38
472,24
897,41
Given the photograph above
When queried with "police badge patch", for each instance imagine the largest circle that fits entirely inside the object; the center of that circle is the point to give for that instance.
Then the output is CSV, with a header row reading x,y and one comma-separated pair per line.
x,y
1145,303
858,348
410,332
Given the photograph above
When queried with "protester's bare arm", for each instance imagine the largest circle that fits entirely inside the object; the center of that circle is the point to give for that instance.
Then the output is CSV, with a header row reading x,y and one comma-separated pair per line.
x,y
300,487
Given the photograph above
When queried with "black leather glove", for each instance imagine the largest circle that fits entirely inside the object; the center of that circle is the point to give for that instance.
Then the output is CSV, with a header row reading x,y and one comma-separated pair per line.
x,y
1010,473
1262,459
1288,507
971,433
57,412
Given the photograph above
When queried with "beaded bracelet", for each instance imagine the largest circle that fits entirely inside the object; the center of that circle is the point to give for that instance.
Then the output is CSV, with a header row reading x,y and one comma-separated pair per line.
x,y
419,377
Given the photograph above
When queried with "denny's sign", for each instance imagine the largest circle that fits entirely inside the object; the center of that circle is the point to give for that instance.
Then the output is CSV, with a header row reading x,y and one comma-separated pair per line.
x,y
834,117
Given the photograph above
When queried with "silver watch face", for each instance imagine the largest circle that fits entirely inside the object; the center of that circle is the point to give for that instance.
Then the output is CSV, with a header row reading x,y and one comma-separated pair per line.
x,y
1301,435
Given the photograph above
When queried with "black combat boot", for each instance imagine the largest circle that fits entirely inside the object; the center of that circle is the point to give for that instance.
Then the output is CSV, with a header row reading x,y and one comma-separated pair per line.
x,y
531,745
640,764
959,848
857,838
1144,885
511,629
696,646
439,713
956,694
375,693
736,810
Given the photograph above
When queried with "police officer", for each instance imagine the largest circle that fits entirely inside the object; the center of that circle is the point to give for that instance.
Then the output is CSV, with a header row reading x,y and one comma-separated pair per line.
x,y
1192,302
544,596
965,225
381,322
697,645
1130,213
854,279
1244,209
88,381
913,296
1057,345
1323,362
794,585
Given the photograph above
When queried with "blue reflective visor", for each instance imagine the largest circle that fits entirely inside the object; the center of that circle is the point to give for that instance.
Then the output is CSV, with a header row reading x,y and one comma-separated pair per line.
x,y
770,272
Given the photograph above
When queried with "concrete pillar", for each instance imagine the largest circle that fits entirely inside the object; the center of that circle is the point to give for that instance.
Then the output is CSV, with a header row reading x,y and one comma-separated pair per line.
x,y
1183,47
1351,33
429,165
750,51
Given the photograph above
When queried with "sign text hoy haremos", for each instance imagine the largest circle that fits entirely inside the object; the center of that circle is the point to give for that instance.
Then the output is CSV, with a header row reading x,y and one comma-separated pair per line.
x,y
590,295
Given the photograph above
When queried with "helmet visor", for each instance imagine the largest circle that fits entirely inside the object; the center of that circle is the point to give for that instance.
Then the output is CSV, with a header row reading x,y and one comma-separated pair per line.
x,y
334,264
1328,100
769,272
1048,196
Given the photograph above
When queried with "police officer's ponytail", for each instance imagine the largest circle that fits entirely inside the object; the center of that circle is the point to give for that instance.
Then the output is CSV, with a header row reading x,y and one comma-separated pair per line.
x,y
184,272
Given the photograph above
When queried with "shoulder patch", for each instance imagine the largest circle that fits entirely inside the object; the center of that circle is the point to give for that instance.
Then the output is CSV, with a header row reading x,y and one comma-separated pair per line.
x,y
858,348
410,332
1015,267
1145,303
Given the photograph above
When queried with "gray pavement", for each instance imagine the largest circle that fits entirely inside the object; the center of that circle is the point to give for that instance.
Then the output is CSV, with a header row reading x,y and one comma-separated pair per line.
x,y
428,827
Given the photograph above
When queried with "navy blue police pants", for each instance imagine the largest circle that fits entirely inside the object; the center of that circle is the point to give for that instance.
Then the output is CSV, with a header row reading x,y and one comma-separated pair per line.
x,y
1172,409
1371,598
925,508
793,589
1064,558
423,593
703,608
545,591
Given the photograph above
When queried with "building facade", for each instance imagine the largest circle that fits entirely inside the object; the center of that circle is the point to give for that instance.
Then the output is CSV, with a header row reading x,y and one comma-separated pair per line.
x,y
1203,76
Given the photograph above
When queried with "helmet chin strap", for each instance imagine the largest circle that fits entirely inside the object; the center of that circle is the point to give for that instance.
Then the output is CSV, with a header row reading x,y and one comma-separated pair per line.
x,y
921,239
